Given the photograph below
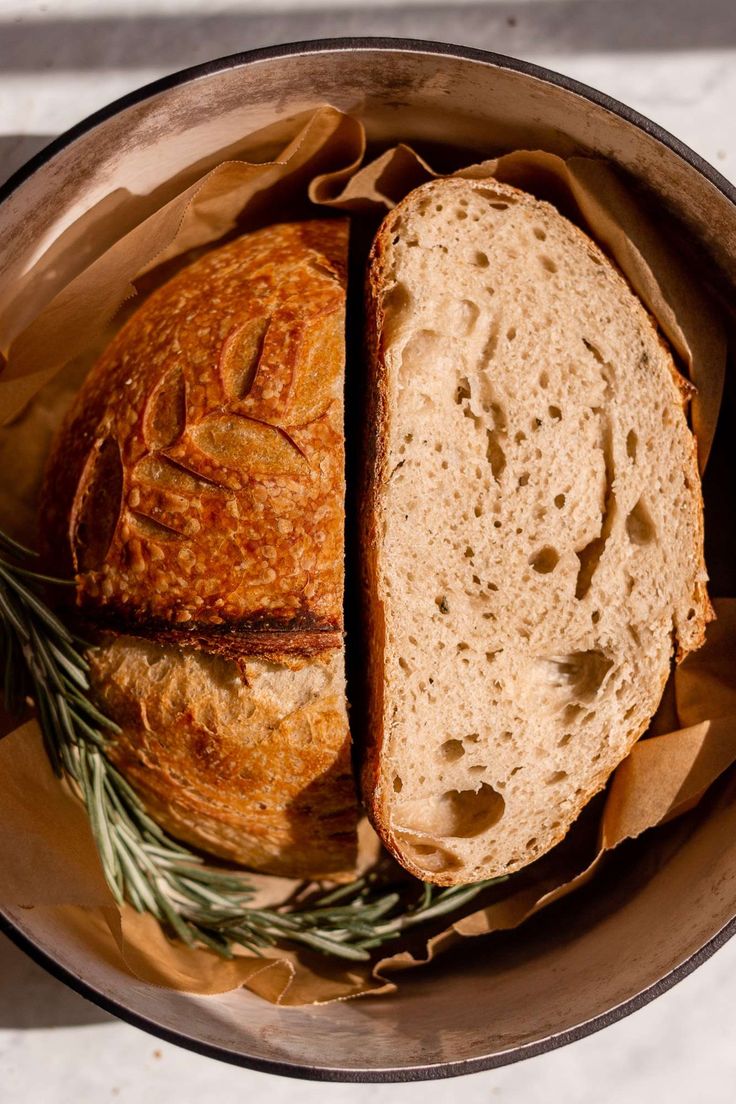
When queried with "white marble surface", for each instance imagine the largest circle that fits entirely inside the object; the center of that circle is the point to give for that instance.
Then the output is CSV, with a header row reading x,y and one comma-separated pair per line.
x,y
673,60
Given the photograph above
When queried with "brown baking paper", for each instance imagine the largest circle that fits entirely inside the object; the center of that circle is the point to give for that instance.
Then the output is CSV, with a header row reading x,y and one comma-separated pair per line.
x,y
55,320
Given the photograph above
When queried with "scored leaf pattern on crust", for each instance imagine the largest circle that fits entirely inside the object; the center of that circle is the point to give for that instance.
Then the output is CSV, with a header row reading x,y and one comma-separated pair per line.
x,y
228,427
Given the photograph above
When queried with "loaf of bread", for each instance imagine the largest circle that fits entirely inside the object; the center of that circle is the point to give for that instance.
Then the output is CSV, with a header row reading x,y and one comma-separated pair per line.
x,y
196,490
532,528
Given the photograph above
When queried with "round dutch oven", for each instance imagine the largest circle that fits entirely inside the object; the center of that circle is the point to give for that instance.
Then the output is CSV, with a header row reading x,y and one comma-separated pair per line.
x,y
658,910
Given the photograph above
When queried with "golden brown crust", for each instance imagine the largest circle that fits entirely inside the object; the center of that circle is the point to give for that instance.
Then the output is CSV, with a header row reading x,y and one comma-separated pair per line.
x,y
196,487
252,765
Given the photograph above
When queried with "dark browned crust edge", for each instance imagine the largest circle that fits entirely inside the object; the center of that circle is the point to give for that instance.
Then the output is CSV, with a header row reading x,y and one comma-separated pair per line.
x,y
374,468
244,640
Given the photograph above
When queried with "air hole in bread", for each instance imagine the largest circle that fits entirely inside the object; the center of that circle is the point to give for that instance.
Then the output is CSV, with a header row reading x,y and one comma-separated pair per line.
x,y
640,528
523,479
428,856
631,442
555,777
540,234
545,560
559,501
547,263
554,412
543,380
511,333
404,665
398,785
452,750
589,558
579,674
469,312
595,351
595,616
420,348
495,454
531,844
462,814
494,198
481,259
462,391
565,739
479,768
460,214
396,303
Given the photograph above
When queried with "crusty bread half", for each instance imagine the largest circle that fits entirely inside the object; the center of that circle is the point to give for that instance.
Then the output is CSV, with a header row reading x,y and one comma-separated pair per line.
x,y
197,491
251,763
197,485
532,528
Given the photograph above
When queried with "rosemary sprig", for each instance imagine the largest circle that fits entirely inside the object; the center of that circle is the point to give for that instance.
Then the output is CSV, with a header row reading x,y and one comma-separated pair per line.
x,y
202,905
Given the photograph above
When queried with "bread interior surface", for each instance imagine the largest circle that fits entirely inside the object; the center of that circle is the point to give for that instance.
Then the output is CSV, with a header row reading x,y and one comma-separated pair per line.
x,y
537,514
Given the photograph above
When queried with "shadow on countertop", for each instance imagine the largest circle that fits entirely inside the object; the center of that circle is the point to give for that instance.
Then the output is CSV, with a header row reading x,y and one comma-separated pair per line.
x,y
166,42
31,998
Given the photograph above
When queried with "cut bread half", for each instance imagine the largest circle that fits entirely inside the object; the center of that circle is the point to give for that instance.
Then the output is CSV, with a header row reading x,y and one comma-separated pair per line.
x,y
532,528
